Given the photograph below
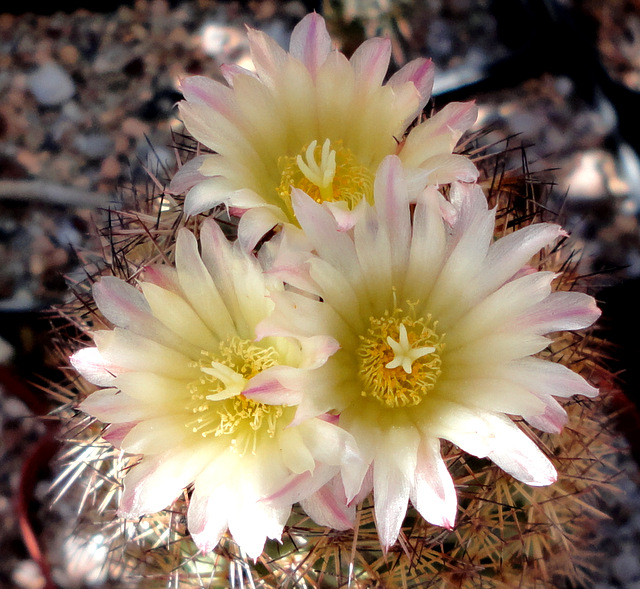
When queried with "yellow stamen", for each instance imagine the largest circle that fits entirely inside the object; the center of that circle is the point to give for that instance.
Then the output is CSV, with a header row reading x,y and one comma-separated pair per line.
x,y
329,172
216,403
400,358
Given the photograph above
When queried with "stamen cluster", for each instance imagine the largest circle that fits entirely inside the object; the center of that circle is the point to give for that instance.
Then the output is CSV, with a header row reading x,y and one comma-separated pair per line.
x,y
399,359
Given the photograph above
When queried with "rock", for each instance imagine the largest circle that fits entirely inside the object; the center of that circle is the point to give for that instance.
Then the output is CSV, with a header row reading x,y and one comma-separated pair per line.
x,y
95,146
6,351
110,168
27,575
69,54
51,85
626,567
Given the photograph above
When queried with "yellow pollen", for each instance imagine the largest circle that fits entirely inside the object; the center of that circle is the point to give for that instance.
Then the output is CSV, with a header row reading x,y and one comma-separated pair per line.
x,y
400,358
327,172
216,405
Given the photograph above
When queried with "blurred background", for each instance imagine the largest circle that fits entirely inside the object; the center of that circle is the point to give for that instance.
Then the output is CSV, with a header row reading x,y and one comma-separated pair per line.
x,y
87,97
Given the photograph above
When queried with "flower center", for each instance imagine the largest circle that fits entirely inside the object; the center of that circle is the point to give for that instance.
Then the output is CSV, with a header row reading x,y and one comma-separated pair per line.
x,y
327,172
400,358
216,404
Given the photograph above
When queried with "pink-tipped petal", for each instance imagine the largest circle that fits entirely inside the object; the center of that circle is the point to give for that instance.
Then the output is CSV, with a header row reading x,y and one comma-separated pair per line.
x,y
279,385
302,485
370,62
548,378
328,506
393,474
321,230
199,288
120,302
310,42
230,71
392,200
420,72
256,521
153,485
446,168
163,276
433,493
510,253
93,367
268,57
517,454
203,90
112,406
561,311
438,135
187,176
116,432
489,435
552,420
391,495
345,217
127,308
256,223
316,350
206,520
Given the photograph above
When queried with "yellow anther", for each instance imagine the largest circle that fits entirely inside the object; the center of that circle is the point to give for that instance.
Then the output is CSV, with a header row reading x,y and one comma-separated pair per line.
x,y
216,404
327,173
400,358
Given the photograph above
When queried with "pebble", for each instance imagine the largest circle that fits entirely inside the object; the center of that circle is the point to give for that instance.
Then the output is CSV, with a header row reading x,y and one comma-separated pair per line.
x,y
51,85
626,567
93,145
6,351
69,54
110,168
28,576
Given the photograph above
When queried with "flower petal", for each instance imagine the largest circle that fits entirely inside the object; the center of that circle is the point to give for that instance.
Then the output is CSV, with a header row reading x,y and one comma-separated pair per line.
x,y
328,506
516,454
552,420
561,311
510,253
310,42
112,406
209,92
267,56
548,378
433,493
198,286
92,366
420,72
321,229
256,223
295,455
152,485
133,352
370,62
188,175
395,461
208,194
208,515
278,385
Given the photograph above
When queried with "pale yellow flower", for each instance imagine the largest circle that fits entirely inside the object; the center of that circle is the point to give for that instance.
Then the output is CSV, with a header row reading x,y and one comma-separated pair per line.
x,y
317,121
178,367
439,326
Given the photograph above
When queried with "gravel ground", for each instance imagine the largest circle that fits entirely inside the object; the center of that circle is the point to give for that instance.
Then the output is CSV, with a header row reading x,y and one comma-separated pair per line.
x,y
87,110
